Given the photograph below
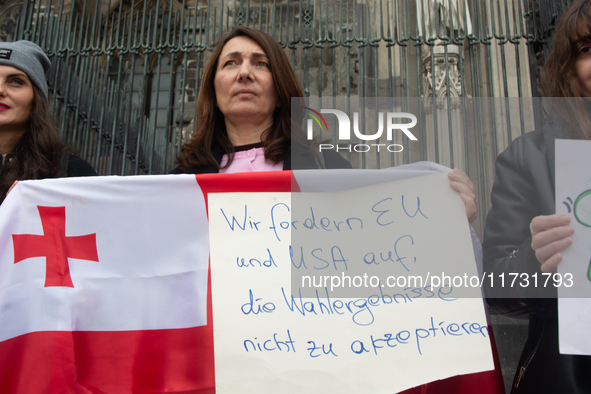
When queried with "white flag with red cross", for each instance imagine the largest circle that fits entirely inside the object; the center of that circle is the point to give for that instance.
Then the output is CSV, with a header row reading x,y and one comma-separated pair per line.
x,y
105,285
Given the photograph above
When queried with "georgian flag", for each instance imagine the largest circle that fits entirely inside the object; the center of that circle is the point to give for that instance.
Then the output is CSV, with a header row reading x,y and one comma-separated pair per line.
x,y
105,286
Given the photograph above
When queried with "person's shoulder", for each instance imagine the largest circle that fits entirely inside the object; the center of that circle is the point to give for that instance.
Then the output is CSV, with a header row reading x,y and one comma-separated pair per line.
x,y
535,136
527,147
532,140
79,167
335,160
542,139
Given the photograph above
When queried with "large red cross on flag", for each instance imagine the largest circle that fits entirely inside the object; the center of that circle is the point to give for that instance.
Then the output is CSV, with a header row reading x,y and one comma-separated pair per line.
x,y
55,246
105,286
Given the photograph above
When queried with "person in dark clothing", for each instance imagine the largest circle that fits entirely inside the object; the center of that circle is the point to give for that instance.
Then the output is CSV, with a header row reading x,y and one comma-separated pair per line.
x,y
29,142
523,234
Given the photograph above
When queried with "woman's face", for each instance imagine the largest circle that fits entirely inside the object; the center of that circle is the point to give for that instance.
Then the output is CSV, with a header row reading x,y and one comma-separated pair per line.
x,y
244,84
16,98
583,68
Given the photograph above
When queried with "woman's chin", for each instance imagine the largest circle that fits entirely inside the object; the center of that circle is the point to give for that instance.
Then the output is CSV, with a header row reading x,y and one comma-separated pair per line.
x,y
248,114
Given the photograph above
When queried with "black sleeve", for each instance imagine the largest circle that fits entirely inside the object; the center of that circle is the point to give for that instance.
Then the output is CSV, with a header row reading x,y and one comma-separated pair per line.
x,y
79,167
520,193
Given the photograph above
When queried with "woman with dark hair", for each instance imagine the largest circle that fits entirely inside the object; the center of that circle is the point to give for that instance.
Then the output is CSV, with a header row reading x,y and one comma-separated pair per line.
x,y
244,123
29,142
244,116
523,234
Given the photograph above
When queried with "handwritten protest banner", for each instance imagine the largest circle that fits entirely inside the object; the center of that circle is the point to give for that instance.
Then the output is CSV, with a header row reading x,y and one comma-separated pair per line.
x,y
573,279
277,329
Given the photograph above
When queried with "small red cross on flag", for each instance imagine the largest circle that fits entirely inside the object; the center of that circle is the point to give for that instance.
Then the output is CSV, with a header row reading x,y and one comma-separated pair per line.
x,y
55,246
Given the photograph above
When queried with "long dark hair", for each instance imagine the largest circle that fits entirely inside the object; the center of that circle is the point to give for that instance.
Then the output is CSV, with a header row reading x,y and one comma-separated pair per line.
x,y
38,152
210,129
559,72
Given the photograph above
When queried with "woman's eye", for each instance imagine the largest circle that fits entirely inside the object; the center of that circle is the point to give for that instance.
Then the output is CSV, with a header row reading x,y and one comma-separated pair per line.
x,y
230,63
585,50
16,81
263,64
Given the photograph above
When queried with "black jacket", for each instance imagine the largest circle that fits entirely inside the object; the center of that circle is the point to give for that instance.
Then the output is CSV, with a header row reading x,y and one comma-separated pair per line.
x,y
524,189
70,166
296,158
73,166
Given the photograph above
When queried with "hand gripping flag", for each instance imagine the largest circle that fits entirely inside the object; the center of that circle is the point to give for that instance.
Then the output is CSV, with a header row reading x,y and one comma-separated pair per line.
x,y
105,288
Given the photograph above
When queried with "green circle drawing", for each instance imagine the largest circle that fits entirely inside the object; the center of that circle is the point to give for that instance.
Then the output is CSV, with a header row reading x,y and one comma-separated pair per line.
x,y
582,208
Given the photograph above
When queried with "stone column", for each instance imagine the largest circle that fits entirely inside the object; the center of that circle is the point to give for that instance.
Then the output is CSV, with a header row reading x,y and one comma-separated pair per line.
x,y
442,89
9,14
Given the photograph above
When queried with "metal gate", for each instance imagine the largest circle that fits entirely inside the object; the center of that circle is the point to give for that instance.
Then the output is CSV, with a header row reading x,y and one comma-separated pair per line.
x,y
125,74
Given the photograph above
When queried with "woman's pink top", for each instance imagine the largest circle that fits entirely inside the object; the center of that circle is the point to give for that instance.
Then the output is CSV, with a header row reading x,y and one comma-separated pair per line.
x,y
249,158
